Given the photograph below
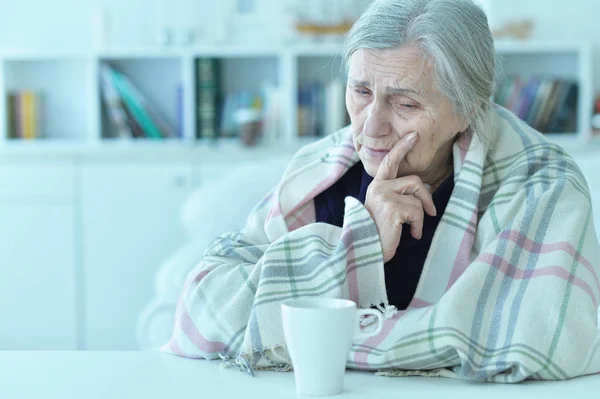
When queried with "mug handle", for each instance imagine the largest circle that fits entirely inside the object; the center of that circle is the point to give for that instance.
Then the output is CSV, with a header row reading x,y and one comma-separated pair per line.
x,y
368,312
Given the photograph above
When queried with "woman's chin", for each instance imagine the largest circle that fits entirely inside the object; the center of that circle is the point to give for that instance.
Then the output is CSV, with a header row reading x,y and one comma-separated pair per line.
x,y
371,166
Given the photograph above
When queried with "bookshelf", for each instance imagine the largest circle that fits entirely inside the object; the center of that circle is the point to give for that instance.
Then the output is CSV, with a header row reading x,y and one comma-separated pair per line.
x,y
73,114
564,61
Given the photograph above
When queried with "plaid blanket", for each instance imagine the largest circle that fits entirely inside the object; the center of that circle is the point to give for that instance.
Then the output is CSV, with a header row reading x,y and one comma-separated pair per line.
x,y
509,289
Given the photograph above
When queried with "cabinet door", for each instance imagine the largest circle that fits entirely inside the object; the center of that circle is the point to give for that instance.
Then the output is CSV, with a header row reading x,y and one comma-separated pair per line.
x,y
37,261
130,226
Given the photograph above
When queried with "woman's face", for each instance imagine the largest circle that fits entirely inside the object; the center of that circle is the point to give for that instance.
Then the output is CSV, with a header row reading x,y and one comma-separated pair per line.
x,y
390,94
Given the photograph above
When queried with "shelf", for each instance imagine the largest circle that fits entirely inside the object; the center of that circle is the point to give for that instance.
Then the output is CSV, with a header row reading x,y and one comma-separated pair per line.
x,y
230,150
75,147
74,109
297,49
223,150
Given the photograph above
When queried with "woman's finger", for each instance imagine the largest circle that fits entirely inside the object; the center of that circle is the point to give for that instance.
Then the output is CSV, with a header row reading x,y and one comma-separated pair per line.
x,y
413,214
388,168
412,185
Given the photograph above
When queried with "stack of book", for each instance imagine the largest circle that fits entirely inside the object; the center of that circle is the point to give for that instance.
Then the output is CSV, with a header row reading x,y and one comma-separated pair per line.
x,y
547,105
321,108
23,113
128,110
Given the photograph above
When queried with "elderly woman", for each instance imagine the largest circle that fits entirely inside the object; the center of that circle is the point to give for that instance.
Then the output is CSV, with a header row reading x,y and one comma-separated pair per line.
x,y
467,228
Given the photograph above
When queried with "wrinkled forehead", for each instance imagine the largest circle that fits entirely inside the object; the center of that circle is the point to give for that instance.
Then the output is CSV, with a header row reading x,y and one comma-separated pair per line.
x,y
404,67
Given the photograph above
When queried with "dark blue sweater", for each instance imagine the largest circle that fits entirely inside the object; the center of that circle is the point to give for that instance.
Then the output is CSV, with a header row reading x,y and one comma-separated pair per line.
x,y
403,271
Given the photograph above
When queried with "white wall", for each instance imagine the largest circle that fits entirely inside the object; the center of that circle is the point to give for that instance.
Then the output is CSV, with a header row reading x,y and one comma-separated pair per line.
x,y
67,23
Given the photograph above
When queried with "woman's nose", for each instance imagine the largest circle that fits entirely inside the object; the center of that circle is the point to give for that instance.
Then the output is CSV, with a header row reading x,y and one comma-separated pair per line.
x,y
377,123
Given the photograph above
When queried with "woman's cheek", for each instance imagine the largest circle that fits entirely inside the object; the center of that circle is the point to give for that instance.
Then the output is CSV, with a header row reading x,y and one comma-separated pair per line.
x,y
416,154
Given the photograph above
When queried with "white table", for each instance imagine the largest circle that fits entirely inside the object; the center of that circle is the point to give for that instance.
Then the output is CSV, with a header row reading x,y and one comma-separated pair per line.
x,y
143,375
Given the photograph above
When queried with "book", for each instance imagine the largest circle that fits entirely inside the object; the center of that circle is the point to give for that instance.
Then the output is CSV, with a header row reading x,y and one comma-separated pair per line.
x,y
114,105
18,118
33,115
565,114
136,129
537,105
23,115
544,93
529,95
180,111
11,112
547,107
135,106
154,116
207,97
307,103
26,115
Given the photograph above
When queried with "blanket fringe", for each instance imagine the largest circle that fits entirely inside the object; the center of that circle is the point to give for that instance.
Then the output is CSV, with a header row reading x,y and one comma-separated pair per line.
x,y
388,310
248,363
437,373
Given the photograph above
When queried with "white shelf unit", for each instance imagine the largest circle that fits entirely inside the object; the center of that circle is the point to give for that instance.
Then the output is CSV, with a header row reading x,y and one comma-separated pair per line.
x,y
73,112
557,60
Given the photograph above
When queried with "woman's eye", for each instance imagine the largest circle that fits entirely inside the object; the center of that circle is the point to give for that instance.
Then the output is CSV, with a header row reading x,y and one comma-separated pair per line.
x,y
361,92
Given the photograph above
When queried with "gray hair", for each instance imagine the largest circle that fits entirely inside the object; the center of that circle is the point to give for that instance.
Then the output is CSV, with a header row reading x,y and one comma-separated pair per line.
x,y
453,36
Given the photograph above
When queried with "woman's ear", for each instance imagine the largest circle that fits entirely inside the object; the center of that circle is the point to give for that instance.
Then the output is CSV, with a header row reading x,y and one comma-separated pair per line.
x,y
462,124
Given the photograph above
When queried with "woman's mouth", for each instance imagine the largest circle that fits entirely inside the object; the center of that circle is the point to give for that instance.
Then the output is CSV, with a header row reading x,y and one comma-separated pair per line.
x,y
376,153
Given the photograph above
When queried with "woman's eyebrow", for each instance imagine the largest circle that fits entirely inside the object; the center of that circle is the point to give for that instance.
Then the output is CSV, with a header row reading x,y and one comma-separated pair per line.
x,y
401,90
356,82
389,89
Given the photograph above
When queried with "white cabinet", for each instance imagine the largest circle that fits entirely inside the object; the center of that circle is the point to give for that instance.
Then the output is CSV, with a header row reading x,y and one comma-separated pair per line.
x,y
37,258
130,225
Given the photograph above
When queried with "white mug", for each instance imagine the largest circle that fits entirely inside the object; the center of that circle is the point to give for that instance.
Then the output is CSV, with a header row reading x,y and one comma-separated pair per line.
x,y
318,334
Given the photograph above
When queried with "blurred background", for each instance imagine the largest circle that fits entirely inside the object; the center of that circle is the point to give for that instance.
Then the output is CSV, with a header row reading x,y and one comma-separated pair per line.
x,y
134,132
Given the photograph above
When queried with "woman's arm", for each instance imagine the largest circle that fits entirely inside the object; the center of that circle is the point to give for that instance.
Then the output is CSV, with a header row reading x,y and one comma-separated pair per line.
x,y
230,304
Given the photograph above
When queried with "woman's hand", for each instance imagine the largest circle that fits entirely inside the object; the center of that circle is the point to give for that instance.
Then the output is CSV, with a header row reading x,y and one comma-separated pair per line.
x,y
393,201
